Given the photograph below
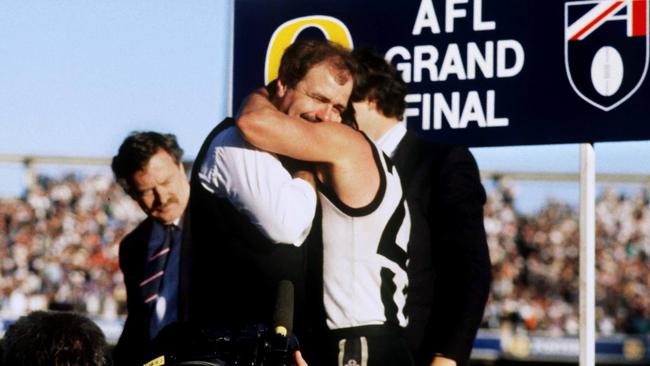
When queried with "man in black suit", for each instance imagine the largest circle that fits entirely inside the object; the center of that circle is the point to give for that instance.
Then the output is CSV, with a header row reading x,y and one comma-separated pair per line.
x,y
250,210
148,166
449,265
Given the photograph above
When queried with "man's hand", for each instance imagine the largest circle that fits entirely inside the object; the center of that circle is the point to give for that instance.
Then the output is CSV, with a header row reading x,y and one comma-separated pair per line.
x,y
299,360
442,361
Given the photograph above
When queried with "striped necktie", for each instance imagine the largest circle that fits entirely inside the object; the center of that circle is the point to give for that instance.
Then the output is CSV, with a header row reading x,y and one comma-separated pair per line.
x,y
155,268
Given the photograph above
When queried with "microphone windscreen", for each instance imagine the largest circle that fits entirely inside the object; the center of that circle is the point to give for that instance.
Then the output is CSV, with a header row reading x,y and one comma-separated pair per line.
x,y
283,312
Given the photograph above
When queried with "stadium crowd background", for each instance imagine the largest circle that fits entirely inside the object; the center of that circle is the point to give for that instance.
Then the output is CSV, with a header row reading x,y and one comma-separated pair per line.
x,y
59,249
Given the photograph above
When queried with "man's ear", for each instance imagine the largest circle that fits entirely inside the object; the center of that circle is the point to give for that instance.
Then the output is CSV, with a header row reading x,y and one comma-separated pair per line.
x,y
281,88
372,105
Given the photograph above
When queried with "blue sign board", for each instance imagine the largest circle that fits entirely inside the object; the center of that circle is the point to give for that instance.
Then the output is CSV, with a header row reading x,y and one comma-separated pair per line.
x,y
480,72
615,349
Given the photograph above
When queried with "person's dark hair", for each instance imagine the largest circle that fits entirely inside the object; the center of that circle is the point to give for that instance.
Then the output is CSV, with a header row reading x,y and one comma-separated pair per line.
x,y
137,149
379,82
349,117
54,339
302,55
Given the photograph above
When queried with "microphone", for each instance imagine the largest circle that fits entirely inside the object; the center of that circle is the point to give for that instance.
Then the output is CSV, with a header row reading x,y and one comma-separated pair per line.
x,y
283,312
258,345
282,343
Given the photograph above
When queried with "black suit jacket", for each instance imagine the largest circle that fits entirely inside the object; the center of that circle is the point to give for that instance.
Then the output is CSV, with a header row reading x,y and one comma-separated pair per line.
x,y
449,267
133,342
230,270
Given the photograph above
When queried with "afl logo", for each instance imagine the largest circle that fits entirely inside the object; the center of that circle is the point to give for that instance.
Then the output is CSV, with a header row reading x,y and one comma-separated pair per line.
x,y
606,49
332,29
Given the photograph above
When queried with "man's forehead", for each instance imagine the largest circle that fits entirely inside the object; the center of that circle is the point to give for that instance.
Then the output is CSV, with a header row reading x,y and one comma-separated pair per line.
x,y
341,75
160,163
326,79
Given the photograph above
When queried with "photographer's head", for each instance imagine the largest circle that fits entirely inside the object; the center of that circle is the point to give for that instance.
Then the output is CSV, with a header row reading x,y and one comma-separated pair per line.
x,y
54,339
315,81
149,168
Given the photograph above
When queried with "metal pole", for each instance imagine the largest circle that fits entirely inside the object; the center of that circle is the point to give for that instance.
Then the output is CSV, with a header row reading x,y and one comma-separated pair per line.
x,y
230,109
587,255
30,174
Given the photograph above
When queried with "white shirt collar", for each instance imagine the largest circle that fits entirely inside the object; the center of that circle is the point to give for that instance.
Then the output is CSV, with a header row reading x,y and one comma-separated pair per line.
x,y
389,141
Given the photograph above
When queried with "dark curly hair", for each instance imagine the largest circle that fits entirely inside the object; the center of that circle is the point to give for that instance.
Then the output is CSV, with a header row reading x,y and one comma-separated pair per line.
x,y
378,81
54,339
137,149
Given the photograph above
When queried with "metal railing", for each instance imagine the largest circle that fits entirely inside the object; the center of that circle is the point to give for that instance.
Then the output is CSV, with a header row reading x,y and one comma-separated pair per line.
x,y
29,161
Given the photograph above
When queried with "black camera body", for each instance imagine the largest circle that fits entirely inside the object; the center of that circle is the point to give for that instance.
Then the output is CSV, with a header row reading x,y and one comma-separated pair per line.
x,y
254,345
262,347
257,345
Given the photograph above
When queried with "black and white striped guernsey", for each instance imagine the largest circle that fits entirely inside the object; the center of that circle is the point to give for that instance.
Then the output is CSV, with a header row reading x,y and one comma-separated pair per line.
x,y
364,254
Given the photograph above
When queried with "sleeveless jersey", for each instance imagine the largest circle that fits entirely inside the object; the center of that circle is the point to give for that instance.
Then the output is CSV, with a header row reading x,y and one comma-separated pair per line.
x,y
364,254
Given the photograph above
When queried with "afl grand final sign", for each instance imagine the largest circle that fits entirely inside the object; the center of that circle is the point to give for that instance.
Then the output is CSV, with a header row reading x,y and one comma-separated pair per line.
x,y
479,72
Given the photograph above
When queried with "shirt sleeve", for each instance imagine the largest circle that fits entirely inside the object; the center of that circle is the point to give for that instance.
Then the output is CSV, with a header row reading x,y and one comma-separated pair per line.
x,y
257,184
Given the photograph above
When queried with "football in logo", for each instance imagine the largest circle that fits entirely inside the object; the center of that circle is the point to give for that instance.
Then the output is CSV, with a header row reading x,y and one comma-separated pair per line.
x,y
606,49
607,71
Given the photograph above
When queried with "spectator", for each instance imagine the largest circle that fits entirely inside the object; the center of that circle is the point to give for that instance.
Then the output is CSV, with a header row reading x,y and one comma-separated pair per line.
x,y
535,264
54,339
59,244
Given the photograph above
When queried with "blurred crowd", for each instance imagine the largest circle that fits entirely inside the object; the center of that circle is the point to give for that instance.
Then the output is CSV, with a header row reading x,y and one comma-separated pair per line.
x,y
535,264
59,249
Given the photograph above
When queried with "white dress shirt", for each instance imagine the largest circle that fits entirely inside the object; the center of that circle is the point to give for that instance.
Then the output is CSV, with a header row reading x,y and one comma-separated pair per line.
x,y
257,184
389,141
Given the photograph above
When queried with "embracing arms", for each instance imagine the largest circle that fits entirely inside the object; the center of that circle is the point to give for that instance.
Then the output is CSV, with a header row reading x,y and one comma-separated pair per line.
x,y
346,154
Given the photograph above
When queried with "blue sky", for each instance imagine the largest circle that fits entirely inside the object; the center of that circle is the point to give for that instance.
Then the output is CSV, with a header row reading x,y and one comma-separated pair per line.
x,y
77,76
